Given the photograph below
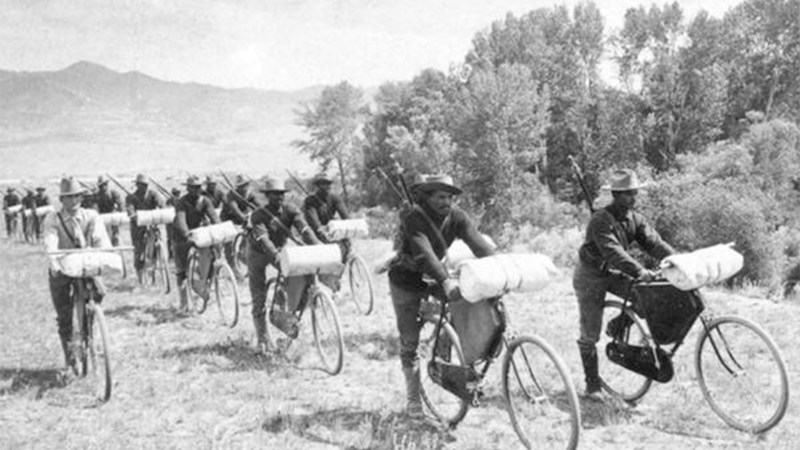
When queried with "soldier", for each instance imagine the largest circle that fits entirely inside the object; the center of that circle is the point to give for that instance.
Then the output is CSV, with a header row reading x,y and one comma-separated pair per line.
x,y
236,208
601,258
41,199
11,199
216,195
70,227
142,199
428,230
191,211
270,228
176,194
107,201
28,213
321,206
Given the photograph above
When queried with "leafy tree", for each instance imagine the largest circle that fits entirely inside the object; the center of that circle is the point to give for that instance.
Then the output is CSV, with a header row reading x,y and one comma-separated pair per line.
x,y
333,123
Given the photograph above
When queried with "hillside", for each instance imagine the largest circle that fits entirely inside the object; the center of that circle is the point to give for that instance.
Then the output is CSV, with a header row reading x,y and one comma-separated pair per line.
x,y
87,118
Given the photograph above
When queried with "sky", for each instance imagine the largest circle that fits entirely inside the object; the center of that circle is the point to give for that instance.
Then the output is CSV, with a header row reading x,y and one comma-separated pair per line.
x,y
266,44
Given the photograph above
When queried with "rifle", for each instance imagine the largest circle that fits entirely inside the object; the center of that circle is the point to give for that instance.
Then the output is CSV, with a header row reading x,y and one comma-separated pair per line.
x,y
86,186
579,175
297,182
118,184
392,185
161,188
263,208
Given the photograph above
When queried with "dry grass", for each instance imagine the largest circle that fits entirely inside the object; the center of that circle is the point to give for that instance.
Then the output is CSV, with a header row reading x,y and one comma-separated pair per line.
x,y
189,383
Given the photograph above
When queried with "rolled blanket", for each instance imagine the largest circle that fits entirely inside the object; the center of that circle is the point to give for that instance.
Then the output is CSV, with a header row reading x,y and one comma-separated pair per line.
x,y
90,264
688,271
309,259
114,219
350,228
214,234
44,210
155,216
495,275
14,209
459,252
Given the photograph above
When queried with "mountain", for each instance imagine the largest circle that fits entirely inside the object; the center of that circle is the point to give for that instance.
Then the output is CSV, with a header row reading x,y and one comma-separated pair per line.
x,y
88,119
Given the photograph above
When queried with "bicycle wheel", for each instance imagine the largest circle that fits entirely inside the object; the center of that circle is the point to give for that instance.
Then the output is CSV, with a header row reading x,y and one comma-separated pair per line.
x,y
444,405
161,266
327,333
742,374
360,285
227,294
617,380
96,360
239,263
541,398
196,302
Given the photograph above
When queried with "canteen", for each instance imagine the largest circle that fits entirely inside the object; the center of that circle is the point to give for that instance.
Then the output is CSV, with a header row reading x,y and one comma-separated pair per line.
x,y
325,259
90,264
220,233
714,264
350,228
493,276
159,216
114,219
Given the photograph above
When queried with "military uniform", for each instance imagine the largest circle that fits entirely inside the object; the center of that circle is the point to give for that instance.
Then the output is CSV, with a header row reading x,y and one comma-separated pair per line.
x,y
10,199
143,199
41,199
321,208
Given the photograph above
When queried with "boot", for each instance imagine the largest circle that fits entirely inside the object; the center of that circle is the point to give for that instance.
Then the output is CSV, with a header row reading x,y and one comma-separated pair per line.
x,y
69,356
140,276
413,392
590,370
183,307
262,339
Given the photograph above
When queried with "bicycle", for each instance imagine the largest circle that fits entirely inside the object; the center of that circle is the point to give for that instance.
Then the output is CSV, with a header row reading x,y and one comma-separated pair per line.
x,y
358,278
221,278
156,268
289,297
239,255
540,397
730,350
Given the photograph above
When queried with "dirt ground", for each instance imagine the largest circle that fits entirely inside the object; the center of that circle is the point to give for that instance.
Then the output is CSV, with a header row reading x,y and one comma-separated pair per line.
x,y
188,382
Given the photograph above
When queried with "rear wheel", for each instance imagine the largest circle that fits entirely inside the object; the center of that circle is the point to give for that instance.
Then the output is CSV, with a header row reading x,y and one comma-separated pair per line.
x,y
239,263
541,398
227,295
443,404
742,374
327,333
617,380
360,285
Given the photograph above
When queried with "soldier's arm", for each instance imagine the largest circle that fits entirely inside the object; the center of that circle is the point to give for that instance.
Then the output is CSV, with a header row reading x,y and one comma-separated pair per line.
x,y
211,212
308,235
421,247
181,226
601,232
312,217
650,240
341,208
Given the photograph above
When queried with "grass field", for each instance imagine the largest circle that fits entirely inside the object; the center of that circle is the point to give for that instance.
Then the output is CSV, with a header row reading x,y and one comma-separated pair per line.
x,y
189,383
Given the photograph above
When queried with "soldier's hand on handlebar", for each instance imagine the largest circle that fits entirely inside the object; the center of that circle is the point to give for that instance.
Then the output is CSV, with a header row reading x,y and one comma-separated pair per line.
x,y
451,290
647,275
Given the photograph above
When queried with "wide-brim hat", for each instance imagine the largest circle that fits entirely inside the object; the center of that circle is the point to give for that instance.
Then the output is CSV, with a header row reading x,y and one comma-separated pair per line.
x,y
70,186
321,178
10,190
192,181
417,179
210,180
241,180
272,185
439,183
141,179
623,180
101,180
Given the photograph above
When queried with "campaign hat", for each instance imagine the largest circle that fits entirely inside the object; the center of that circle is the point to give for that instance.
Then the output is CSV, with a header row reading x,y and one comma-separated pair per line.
x,y
273,185
70,186
623,180
439,182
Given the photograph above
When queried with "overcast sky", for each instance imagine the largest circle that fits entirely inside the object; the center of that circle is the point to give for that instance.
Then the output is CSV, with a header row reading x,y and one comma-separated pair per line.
x,y
270,44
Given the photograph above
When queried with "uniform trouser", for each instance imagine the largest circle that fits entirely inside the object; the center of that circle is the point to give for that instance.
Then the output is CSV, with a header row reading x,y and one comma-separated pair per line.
x,y
590,286
138,235
406,308
257,262
63,304
171,240
10,222
181,249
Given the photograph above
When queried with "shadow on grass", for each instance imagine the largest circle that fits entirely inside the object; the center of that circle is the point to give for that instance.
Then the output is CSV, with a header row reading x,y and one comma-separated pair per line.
x,y
606,412
40,380
146,315
356,429
230,356
374,346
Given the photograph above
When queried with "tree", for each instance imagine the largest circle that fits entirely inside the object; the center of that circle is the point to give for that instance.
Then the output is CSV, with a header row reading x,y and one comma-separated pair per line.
x,y
333,123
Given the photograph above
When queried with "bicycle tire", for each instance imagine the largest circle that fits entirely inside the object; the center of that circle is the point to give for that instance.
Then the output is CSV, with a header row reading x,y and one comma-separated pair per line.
x,y
269,289
227,294
740,347
616,380
98,349
448,408
554,421
360,285
196,302
162,266
328,340
239,262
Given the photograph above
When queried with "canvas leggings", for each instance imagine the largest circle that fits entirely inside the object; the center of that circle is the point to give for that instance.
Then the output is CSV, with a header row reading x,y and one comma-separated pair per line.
x,y
406,308
590,287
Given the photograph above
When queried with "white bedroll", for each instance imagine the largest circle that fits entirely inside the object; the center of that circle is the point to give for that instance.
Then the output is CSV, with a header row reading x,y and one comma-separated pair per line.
x,y
325,259
693,270
44,210
159,216
496,275
459,252
14,209
214,234
90,264
114,219
350,228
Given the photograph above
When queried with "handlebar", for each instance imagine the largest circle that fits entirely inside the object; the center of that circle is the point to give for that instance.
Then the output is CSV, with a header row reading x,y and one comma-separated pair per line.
x,y
67,251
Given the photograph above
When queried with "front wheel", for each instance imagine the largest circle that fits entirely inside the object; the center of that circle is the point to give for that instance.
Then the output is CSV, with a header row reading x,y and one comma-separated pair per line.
x,y
540,395
239,263
227,295
445,406
360,285
327,333
196,302
742,374
617,380
97,365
